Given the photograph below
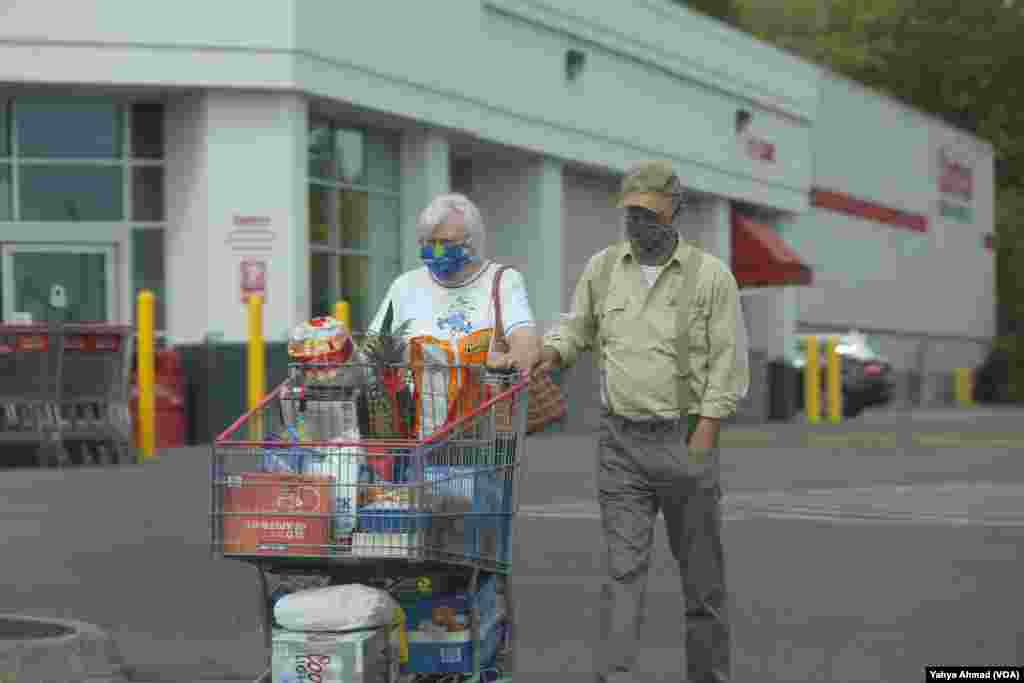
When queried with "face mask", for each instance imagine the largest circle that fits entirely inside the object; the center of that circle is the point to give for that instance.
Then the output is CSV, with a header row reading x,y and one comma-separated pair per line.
x,y
444,260
651,241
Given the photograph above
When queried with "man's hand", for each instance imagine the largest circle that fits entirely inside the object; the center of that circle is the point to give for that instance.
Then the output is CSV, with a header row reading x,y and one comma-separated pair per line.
x,y
705,436
549,360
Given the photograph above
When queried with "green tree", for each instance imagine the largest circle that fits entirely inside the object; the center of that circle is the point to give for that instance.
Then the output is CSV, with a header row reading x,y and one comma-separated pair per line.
x,y
726,11
957,60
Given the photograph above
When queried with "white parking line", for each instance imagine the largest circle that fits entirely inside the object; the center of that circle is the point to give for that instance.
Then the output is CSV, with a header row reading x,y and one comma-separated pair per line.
x,y
948,503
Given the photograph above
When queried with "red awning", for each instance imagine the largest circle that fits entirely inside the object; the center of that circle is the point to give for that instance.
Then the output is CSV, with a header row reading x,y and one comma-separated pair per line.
x,y
761,259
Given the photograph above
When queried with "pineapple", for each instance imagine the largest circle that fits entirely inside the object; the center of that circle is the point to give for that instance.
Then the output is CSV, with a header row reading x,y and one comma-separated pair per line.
x,y
387,400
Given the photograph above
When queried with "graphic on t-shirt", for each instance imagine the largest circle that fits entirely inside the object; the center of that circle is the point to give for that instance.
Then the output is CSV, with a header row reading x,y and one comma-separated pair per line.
x,y
458,318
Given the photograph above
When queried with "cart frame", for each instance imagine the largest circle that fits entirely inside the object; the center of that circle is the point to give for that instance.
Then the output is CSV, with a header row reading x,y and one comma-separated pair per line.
x,y
353,568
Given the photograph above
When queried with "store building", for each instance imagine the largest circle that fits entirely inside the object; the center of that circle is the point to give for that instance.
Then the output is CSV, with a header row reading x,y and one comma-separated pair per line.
x,y
290,154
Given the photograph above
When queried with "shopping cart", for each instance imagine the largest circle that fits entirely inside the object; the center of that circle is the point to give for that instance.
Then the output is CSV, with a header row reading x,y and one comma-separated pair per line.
x,y
362,473
66,383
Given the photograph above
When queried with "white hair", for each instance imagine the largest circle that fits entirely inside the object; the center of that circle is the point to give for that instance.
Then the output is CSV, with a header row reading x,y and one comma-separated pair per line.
x,y
439,211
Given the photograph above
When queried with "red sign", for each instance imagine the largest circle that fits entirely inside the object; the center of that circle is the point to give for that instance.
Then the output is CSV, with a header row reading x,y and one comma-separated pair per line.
x,y
759,150
955,177
868,210
254,279
251,221
92,343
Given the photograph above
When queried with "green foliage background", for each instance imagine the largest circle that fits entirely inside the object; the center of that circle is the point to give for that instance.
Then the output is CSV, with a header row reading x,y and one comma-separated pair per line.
x,y
959,60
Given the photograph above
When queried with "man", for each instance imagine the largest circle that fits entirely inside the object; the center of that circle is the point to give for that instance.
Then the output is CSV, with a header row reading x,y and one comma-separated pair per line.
x,y
664,320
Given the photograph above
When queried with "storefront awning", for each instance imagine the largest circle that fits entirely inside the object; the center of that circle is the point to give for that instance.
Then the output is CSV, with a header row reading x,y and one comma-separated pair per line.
x,y
761,259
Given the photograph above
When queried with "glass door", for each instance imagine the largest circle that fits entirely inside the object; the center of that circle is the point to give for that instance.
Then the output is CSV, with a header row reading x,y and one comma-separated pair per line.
x,y
32,272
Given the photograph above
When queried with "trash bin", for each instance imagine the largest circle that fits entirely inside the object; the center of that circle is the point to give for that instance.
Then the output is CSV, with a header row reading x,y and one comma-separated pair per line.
x,y
784,390
215,384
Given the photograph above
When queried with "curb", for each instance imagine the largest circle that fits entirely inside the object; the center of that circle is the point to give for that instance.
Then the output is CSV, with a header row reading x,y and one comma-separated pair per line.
x,y
57,651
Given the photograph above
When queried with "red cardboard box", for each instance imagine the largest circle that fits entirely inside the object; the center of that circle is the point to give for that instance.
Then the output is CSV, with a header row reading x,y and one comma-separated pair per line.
x,y
284,514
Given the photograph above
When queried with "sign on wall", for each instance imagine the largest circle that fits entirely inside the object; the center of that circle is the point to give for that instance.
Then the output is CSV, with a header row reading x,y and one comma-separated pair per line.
x,y
955,182
756,148
253,279
250,233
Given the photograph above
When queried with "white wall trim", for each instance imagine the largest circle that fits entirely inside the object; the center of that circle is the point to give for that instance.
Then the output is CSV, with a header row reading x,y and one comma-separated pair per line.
x,y
448,109
273,69
675,63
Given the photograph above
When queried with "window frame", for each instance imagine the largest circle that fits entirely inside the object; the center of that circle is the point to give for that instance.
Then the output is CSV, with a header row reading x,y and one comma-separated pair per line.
x,y
333,248
127,162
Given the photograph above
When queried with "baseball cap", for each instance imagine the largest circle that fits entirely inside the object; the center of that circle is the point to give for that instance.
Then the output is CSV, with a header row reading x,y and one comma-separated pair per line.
x,y
648,185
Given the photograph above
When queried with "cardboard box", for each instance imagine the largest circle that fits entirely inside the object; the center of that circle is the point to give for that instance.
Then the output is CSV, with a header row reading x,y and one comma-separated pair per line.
x,y
355,657
283,514
454,652
437,626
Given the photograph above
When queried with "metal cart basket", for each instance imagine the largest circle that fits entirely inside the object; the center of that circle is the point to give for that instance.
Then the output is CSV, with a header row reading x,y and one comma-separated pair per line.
x,y
378,474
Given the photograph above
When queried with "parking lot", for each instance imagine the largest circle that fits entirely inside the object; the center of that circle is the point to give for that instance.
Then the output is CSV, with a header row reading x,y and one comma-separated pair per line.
x,y
859,552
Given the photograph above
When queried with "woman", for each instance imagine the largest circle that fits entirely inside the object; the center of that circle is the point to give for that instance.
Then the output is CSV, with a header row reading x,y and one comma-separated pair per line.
x,y
449,298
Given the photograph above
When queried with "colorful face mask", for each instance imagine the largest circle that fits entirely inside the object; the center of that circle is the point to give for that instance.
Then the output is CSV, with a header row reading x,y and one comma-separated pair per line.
x,y
444,260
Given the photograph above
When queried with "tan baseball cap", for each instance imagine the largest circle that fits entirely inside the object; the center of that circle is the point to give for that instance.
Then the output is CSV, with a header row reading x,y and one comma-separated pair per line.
x,y
649,185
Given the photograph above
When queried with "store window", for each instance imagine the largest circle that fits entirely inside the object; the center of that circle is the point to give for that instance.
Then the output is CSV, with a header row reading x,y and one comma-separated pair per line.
x,y
353,218
5,129
85,159
71,193
69,128
5,192
148,269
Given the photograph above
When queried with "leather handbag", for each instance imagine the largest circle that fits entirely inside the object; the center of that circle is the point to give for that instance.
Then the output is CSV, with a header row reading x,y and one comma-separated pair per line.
x,y
546,404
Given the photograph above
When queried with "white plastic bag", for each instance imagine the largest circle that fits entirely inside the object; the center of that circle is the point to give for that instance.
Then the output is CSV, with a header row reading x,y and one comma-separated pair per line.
x,y
434,389
336,608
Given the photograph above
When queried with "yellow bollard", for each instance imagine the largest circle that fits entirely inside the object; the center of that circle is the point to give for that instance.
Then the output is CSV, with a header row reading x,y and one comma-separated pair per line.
x,y
812,380
964,388
343,313
834,379
256,363
144,319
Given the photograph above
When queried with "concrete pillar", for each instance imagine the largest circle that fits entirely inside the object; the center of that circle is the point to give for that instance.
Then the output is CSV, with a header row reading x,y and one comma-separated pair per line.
x,y
425,174
544,240
716,233
771,314
220,213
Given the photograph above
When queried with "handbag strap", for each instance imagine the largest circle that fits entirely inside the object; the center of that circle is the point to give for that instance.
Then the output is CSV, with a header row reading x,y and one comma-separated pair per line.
x,y
499,324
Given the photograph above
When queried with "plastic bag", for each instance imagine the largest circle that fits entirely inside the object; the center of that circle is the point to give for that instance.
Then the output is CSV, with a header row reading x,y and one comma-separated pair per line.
x,y
289,458
434,387
336,608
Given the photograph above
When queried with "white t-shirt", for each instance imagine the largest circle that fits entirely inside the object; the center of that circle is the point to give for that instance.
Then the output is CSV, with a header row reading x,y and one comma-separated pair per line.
x,y
452,312
651,274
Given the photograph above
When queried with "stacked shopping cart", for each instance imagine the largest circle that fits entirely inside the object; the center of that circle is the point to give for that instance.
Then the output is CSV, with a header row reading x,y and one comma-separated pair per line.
x,y
67,383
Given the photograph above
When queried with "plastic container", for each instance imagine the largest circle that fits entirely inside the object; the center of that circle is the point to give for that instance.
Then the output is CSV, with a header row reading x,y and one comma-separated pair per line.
x,y
391,521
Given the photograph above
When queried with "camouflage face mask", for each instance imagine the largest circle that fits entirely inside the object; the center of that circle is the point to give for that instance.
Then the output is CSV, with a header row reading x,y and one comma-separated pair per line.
x,y
652,241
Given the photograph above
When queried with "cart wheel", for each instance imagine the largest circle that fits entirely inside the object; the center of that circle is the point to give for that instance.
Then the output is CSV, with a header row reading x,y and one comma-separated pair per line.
x,y
52,454
105,455
506,663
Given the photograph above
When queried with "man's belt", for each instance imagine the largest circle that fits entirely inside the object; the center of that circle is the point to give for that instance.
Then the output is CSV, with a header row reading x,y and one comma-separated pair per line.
x,y
649,426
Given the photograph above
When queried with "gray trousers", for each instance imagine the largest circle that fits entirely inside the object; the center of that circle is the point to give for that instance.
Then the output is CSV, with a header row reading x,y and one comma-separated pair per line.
x,y
643,470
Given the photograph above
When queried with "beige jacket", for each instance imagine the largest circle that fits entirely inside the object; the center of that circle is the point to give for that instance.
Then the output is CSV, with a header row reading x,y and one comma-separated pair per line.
x,y
638,325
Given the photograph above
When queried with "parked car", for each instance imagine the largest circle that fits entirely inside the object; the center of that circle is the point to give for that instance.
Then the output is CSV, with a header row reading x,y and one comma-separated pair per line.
x,y
867,375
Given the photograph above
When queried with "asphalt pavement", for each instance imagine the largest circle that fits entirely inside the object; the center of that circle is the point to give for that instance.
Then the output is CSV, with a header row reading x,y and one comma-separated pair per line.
x,y
859,552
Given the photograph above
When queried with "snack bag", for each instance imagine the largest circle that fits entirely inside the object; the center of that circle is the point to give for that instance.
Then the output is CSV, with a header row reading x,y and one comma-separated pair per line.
x,y
435,386
321,340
